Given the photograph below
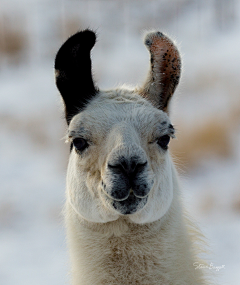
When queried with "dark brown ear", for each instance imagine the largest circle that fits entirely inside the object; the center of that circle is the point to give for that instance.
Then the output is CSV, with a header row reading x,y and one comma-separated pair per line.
x,y
164,72
74,72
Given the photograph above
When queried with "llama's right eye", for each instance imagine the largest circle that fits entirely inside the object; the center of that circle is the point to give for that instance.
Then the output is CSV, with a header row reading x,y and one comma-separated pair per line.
x,y
80,144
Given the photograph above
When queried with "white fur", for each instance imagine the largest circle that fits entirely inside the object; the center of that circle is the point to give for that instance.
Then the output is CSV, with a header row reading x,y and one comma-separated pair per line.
x,y
155,245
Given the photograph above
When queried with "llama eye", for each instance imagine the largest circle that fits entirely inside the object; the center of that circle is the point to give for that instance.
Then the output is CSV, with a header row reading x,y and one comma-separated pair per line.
x,y
163,142
80,144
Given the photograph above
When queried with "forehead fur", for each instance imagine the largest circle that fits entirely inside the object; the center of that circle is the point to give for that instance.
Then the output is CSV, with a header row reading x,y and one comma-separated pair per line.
x,y
115,106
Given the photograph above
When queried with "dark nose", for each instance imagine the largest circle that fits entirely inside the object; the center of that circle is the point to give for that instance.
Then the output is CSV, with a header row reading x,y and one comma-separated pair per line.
x,y
129,167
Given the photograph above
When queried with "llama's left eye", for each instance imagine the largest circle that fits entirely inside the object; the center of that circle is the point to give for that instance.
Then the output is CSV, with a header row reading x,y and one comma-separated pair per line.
x,y
163,142
80,144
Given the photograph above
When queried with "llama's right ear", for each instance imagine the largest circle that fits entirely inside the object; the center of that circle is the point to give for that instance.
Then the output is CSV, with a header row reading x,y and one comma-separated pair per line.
x,y
73,70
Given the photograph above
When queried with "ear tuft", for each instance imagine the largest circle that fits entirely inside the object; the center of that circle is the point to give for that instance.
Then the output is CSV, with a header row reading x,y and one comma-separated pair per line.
x,y
73,70
150,37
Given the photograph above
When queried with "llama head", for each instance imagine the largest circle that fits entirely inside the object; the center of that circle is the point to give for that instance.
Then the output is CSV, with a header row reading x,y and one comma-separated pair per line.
x,y
119,163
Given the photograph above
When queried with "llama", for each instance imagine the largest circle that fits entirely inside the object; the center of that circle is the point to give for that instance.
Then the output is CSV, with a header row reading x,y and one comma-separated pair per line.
x,y
123,213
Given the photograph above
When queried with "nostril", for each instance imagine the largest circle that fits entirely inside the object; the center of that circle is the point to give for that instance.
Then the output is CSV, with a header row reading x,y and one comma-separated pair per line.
x,y
127,167
140,167
117,168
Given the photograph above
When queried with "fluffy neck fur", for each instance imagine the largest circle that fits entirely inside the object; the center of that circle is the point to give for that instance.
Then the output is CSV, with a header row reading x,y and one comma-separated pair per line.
x,y
121,252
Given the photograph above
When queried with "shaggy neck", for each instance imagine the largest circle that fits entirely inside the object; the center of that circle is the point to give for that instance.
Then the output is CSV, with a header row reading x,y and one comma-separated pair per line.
x,y
121,252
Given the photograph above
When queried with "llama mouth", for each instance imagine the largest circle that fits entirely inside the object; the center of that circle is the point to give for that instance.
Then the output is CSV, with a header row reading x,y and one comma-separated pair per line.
x,y
121,189
129,205
116,199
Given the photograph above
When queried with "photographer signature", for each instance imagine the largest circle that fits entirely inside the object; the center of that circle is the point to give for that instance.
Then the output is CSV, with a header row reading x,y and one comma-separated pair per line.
x,y
198,265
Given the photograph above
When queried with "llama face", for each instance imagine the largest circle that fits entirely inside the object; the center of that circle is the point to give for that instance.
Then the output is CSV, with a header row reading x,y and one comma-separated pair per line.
x,y
119,164
124,169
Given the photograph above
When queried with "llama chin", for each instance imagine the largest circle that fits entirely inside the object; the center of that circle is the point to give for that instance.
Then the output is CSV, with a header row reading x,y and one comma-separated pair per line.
x,y
124,217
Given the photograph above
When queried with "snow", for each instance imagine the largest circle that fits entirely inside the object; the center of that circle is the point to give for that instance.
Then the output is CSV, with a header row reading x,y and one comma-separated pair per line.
x,y
34,157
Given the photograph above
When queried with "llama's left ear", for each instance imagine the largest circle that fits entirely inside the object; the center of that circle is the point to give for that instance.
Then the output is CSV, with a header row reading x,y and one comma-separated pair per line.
x,y
165,70
74,72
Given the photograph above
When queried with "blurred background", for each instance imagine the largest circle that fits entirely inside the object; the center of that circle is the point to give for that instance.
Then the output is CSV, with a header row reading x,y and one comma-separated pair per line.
x,y
33,155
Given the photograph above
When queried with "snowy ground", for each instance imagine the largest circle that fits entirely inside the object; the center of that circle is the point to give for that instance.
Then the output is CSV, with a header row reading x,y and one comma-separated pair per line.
x,y
34,158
